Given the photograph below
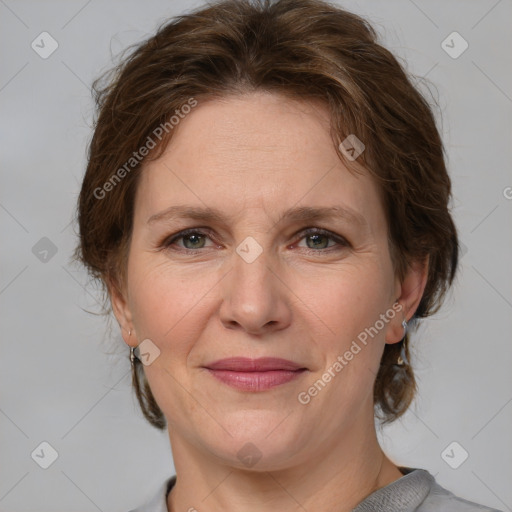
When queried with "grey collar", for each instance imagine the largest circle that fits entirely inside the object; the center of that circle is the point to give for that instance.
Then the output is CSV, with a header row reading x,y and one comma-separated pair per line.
x,y
403,495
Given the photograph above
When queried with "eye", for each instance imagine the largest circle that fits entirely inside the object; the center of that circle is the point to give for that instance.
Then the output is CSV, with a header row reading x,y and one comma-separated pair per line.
x,y
192,239
320,239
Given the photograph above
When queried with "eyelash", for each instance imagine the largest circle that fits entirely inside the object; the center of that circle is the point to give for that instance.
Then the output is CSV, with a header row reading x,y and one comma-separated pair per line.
x,y
169,241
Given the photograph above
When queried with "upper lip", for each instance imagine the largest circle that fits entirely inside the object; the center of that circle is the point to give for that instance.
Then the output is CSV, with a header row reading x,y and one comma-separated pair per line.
x,y
262,364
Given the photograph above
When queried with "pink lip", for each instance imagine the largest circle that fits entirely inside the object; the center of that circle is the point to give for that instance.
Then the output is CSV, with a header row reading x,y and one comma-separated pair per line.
x,y
255,374
262,364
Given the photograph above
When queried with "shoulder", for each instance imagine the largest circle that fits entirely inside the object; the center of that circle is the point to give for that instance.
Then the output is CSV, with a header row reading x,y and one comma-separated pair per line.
x,y
440,499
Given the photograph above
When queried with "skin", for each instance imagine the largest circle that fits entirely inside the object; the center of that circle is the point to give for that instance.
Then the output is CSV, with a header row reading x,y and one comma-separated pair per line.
x,y
254,156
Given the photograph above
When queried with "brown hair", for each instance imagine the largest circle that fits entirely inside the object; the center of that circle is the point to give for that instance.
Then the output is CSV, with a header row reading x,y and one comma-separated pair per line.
x,y
305,49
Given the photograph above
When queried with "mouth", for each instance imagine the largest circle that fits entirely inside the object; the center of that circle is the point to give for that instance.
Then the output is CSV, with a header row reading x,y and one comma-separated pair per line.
x,y
255,374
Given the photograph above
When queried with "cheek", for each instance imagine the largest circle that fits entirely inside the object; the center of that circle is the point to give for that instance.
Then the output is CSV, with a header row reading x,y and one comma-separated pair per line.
x,y
349,300
169,303
349,306
170,307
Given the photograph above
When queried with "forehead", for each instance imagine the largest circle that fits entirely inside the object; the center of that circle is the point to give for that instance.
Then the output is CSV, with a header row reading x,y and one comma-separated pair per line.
x,y
255,152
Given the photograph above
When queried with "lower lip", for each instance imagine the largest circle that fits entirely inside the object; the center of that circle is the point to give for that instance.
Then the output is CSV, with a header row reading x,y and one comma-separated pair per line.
x,y
255,381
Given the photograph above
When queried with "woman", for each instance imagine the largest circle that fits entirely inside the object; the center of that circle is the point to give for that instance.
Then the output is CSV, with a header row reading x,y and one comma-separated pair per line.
x,y
266,204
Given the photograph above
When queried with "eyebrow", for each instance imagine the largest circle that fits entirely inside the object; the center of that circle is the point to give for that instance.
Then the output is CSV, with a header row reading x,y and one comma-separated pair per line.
x,y
301,213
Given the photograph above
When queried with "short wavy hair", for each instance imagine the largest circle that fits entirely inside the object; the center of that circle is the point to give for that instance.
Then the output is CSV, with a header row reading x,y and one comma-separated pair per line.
x,y
304,49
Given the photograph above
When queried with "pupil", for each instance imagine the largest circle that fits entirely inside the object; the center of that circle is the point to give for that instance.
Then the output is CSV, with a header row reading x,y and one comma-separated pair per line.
x,y
315,238
192,237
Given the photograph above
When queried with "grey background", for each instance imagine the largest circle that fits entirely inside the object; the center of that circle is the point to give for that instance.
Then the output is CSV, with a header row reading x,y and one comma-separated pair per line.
x,y
65,379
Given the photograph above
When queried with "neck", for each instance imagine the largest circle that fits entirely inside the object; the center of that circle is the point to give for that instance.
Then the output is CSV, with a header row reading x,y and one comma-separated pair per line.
x,y
338,477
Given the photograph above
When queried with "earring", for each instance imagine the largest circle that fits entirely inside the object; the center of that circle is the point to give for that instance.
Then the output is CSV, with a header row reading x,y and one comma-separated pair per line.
x,y
132,351
132,355
402,358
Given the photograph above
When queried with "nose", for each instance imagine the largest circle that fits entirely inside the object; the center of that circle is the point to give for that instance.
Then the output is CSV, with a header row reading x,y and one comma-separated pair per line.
x,y
255,297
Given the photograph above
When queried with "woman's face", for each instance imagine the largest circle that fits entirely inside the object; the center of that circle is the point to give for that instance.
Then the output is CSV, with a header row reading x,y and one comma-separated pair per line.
x,y
250,282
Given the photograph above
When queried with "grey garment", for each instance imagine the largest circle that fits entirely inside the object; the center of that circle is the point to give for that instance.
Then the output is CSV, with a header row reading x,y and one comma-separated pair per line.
x,y
416,491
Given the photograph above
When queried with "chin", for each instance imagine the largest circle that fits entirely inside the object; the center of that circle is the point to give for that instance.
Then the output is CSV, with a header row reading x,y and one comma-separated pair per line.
x,y
260,446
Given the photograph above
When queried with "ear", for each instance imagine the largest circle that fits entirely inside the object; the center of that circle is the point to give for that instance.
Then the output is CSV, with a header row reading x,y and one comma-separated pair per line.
x,y
122,312
409,292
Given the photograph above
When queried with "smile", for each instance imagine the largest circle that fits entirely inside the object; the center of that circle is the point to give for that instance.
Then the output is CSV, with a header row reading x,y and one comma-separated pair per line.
x,y
255,374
